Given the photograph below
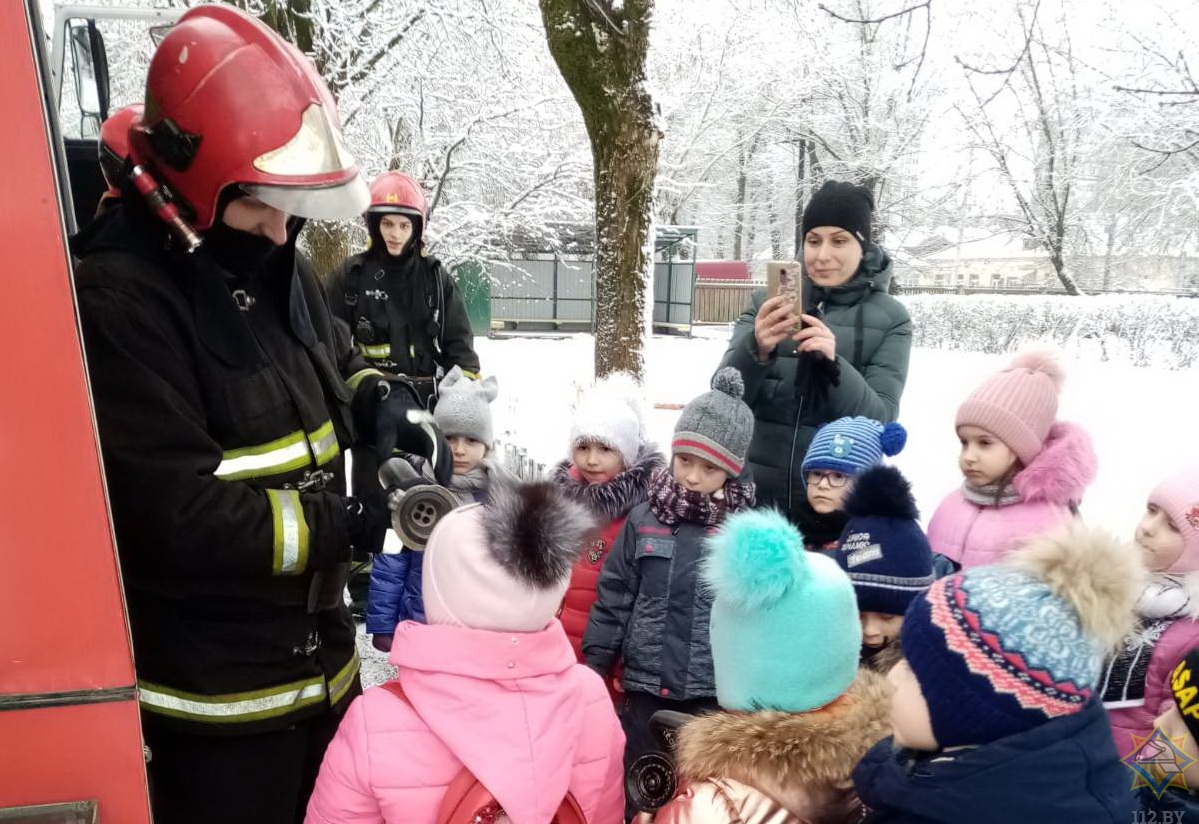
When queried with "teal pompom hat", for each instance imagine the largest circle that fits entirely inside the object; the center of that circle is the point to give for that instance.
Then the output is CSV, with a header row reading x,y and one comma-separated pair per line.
x,y
784,628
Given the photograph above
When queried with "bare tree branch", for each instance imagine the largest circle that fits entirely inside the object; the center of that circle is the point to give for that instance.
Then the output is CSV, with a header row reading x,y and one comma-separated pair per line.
x,y
926,5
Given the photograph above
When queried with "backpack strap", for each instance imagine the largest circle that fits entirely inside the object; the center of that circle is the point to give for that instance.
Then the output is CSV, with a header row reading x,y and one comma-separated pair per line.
x,y
467,801
349,290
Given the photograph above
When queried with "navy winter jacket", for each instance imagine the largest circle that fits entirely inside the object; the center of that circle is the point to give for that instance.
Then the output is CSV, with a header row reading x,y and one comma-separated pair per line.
x,y
1066,770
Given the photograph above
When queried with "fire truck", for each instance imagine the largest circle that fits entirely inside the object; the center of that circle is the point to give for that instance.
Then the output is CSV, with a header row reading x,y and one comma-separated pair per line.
x,y
70,737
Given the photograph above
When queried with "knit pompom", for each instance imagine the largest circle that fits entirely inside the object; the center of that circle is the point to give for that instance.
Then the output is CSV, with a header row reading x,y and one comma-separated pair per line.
x,y
893,438
1100,576
755,559
729,381
1040,359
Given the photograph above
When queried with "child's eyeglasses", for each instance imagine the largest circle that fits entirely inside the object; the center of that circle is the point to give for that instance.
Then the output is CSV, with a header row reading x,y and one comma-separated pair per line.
x,y
834,479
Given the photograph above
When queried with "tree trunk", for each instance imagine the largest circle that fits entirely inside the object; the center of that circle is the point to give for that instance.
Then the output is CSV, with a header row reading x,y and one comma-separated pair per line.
x,y
1059,268
739,218
600,47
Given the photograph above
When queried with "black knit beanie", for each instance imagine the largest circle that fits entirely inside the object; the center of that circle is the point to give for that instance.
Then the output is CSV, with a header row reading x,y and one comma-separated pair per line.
x,y
844,205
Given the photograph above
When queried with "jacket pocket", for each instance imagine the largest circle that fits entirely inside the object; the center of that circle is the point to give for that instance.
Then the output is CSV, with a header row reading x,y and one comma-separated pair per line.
x,y
255,399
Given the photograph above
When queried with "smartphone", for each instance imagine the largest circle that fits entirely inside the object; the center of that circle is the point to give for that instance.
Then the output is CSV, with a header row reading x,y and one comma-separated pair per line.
x,y
785,277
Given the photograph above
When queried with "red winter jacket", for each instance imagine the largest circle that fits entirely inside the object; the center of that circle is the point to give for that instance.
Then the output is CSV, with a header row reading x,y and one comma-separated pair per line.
x,y
610,502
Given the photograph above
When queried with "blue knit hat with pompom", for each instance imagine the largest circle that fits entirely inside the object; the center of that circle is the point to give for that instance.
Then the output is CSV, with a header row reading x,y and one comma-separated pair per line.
x,y
853,445
784,625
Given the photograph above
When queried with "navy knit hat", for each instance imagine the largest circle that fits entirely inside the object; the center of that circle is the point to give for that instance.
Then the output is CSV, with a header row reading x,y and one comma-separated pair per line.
x,y
853,445
883,548
844,205
998,650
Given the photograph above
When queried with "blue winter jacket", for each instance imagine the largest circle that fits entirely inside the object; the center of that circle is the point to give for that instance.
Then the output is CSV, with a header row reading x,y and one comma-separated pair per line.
x,y
395,592
1065,770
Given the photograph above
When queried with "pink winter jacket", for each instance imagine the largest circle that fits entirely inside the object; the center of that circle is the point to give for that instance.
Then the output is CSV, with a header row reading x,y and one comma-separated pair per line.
x,y
974,535
515,708
1178,639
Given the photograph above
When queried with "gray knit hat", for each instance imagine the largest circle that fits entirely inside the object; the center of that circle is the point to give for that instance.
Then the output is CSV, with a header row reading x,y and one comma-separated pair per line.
x,y
464,406
717,425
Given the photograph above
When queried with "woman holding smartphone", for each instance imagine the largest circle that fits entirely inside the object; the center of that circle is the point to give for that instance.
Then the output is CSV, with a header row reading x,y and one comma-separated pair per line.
x,y
848,357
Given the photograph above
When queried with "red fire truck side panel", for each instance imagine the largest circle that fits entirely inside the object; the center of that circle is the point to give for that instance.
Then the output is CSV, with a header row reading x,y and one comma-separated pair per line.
x,y
64,641
75,753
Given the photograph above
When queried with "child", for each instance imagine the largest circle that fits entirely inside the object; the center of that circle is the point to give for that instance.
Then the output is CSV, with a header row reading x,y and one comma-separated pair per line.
x,y
840,451
649,612
887,557
798,713
463,414
608,471
490,683
1179,722
1023,472
995,715
1168,537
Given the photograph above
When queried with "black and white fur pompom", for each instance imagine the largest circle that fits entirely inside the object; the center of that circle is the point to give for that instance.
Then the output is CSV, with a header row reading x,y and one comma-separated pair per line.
x,y
535,532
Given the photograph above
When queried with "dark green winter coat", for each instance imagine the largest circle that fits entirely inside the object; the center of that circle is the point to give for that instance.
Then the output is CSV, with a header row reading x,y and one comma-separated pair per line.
x,y
874,339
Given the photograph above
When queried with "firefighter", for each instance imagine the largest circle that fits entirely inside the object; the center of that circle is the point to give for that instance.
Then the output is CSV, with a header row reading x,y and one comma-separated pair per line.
x,y
404,311
225,394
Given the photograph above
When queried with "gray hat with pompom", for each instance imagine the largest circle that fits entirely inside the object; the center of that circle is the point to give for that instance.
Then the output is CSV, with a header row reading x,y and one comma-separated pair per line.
x,y
717,425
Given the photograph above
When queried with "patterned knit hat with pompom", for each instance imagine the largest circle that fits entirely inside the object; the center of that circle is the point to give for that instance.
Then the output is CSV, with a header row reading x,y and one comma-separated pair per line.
x,y
852,445
1019,403
1001,649
717,426
784,625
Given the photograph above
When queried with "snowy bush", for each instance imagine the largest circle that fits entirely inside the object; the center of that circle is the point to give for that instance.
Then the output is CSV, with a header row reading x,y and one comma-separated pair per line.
x,y
1140,329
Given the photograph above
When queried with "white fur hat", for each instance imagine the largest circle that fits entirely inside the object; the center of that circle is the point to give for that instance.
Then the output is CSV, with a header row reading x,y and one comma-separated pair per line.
x,y
612,413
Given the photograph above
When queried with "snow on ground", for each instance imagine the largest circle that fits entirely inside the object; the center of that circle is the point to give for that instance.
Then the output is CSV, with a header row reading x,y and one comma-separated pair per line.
x,y
1141,418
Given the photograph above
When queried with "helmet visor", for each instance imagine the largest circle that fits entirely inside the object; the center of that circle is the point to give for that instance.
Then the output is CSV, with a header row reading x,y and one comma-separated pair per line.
x,y
341,200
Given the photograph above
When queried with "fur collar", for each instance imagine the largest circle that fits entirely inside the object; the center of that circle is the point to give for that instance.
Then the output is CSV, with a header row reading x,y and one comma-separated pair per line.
x,y
789,756
1062,470
613,499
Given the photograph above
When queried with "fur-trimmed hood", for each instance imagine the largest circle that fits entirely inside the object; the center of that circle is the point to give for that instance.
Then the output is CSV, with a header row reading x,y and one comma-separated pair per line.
x,y
802,760
1062,470
613,499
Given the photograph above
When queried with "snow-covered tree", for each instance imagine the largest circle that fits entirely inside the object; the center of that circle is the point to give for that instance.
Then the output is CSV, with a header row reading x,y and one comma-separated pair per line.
x,y
600,47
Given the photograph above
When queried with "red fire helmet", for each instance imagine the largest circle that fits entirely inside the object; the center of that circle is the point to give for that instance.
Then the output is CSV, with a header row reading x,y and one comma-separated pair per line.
x,y
114,145
396,193
228,102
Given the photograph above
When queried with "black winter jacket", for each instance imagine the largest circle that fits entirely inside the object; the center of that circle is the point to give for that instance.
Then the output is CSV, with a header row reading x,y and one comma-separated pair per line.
x,y
651,612
406,317
210,417
874,339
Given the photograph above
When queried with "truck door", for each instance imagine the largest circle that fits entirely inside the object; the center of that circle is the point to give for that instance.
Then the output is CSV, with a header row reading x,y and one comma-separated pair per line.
x,y
69,730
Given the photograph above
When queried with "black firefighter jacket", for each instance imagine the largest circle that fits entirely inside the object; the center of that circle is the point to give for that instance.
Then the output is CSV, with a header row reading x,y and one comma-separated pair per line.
x,y
216,399
406,318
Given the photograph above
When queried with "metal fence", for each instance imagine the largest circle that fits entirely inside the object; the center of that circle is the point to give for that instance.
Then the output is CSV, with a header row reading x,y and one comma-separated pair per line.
x,y
562,293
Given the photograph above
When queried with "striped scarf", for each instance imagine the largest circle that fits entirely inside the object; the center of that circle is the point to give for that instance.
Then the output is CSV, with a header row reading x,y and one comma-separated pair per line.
x,y
672,503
